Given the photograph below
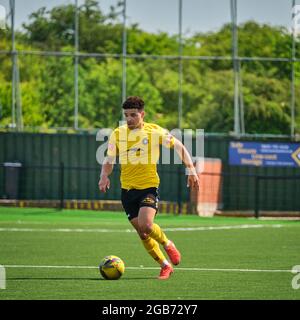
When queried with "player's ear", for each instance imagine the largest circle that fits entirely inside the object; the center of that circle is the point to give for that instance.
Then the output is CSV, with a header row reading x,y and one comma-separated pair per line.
x,y
143,114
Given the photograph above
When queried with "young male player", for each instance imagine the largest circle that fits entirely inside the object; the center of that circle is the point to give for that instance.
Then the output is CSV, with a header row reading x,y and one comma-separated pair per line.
x,y
137,145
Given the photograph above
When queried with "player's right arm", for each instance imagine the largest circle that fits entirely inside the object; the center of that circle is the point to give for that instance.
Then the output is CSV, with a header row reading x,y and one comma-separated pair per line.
x,y
108,163
107,168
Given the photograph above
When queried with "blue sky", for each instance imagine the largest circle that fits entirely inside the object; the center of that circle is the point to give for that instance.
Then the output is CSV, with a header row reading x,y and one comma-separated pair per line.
x,y
162,15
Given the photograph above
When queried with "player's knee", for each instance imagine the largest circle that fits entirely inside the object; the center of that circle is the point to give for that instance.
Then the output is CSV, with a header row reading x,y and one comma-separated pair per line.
x,y
146,228
143,236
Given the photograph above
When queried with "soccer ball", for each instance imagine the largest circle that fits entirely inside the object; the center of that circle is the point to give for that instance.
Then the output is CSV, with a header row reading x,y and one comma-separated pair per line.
x,y
111,267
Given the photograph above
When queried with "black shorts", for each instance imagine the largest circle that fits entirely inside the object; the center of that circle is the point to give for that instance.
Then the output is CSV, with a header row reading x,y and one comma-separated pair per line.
x,y
134,199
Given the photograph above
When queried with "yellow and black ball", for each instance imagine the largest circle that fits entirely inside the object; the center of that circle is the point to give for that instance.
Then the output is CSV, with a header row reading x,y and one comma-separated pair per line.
x,y
111,267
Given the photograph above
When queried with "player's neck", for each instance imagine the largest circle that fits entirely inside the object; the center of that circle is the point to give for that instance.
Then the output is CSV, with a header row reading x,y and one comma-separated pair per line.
x,y
140,126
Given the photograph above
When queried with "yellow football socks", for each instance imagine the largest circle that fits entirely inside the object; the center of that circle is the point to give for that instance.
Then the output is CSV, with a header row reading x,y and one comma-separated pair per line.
x,y
158,235
153,249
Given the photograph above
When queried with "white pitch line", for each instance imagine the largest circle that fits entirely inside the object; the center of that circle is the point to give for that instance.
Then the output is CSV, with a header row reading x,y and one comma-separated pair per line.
x,y
150,268
245,226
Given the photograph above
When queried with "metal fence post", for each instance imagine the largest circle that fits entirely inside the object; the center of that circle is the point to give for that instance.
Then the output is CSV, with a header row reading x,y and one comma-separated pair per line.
x,y
179,190
256,204
61,184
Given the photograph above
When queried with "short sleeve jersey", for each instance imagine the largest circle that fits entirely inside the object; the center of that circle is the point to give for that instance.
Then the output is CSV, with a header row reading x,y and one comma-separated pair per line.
x,y
138,152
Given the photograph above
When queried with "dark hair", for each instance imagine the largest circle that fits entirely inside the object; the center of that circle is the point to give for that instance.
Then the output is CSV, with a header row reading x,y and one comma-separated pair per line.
x,y
133,102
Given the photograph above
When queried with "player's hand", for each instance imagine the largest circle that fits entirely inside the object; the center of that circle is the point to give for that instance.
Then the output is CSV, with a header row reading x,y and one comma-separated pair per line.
x,y
193,179
104,183
193,182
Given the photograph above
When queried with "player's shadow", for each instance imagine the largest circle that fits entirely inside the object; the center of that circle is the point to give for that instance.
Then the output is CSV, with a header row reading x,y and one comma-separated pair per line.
x,y
51,279
77,278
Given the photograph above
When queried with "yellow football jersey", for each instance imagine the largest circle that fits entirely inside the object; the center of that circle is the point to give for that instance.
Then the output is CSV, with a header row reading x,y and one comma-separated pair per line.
x,y
138,152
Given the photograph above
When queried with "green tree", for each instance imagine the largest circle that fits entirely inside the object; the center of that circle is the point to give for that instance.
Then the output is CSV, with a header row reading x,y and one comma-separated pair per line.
x,y
47,83
101,96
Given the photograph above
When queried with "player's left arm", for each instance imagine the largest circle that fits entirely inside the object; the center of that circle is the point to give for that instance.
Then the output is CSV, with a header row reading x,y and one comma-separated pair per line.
x,y
193,179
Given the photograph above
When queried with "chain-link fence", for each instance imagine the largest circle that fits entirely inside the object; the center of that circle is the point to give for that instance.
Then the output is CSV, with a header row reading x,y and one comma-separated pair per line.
x,y
72,63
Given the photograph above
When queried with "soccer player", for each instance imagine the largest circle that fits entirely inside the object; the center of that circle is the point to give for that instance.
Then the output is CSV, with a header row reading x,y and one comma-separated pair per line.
x,y
137,145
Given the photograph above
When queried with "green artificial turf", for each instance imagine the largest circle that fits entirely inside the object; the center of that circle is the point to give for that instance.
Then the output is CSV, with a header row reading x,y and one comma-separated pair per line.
x,y
50,254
